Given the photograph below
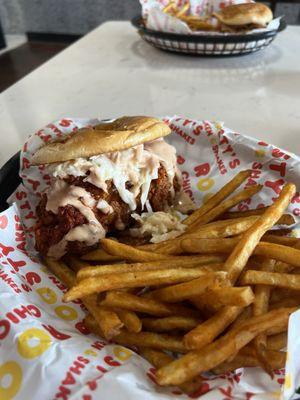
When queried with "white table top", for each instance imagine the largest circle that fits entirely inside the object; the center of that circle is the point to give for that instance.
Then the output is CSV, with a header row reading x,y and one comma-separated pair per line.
x,y
112,72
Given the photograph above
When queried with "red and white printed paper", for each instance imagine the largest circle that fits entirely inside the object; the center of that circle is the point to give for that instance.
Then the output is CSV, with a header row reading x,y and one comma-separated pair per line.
x,y
47,353
156,19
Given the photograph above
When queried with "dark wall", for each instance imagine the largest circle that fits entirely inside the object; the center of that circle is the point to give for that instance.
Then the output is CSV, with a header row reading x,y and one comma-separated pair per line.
x,y
63,16
81,16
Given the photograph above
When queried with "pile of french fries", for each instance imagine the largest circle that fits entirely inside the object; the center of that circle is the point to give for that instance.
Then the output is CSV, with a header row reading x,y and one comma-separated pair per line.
x,y
194,22
220,295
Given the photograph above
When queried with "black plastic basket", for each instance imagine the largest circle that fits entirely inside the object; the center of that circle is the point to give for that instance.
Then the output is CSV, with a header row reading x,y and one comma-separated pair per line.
x,y
9,179
207,45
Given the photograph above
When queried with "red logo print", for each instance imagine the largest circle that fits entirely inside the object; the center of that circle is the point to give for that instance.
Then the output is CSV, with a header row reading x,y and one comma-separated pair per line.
x,y
3,221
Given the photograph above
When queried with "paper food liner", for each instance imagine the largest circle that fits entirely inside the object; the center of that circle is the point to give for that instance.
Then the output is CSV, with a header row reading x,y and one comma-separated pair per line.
x,y
47,353
157,20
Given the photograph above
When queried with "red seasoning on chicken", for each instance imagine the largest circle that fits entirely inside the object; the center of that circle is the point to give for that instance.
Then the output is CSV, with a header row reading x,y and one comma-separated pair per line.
x,y
101,176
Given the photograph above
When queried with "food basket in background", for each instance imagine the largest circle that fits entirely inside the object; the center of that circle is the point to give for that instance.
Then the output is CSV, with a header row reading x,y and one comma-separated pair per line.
x,y
207,44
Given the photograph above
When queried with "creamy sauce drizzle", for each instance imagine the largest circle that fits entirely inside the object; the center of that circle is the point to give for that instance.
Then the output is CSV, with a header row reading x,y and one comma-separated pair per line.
x,y
138,165
61,195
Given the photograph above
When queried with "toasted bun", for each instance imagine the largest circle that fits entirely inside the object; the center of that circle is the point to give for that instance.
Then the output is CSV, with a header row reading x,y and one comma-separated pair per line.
x,y
120,134
244,14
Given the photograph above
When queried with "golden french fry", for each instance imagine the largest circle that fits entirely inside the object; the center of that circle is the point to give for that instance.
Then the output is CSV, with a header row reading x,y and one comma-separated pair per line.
x,y
141,339
279,294
76,264
276,359
171,7
189,262
159,359
242,317
132,302
183,10
216,199
289,281
246,213
225,296
198,361
208,246
130,253
132,279
130,320
152,340
285,219
259,307
217,229
283,266
186,290
108,320
287,302
60,269
199,25
205,333
286,241
100,255
222,207
170,323
243,250
278,252
277,342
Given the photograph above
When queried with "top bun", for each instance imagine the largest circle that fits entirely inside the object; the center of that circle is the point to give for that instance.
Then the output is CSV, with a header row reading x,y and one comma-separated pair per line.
x,y
120,134
244,14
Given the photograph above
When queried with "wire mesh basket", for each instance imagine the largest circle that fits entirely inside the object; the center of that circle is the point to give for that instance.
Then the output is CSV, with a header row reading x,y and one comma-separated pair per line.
x,y
207,45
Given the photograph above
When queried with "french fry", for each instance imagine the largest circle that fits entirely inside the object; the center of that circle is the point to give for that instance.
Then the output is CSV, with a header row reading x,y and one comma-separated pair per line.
x,y
60,269
278,252
76,264
241,253
216,199
259,307
279,294
208,246
219,229
141,339
186,290
132,279
100,255
289,281
190,262
285,241
183,10
152,340
276,359
277,342
222,207
132,302
130,320
159,359
196,362
205,333
107,320
285,219
288,302
170,323
171,7
238,296
130,253
212,230
242,317
283,266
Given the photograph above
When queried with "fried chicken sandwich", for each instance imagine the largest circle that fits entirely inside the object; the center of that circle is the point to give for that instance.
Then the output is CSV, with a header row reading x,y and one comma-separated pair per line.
x,y
100,176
